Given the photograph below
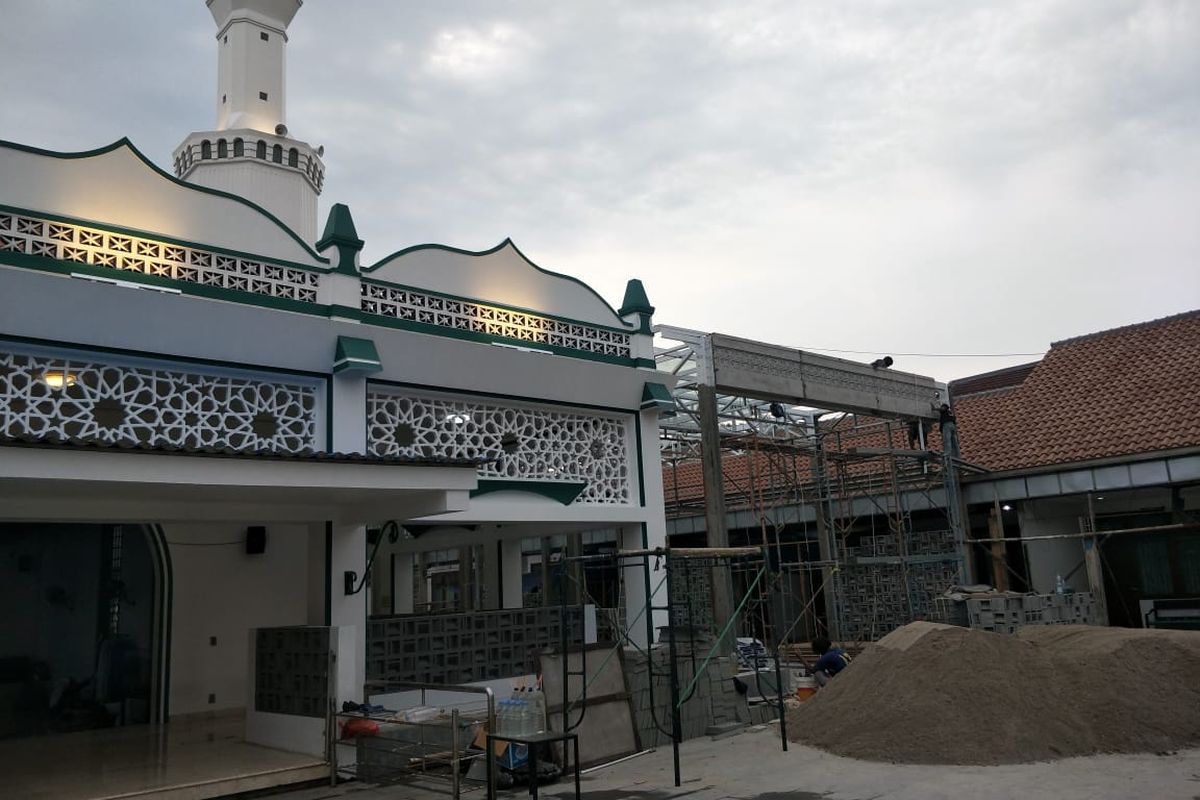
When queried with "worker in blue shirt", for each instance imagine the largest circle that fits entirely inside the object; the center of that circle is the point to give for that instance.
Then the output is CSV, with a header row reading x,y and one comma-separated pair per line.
x,y
830,660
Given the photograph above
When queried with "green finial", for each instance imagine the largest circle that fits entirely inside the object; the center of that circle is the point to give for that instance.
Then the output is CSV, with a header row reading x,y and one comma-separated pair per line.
x,y
340,232
635,299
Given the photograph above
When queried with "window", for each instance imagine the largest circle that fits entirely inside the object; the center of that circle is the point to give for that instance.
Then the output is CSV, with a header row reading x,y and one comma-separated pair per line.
x,y
239,148
264,37
277,154
261,152
222,149
206,149
293,158
262,96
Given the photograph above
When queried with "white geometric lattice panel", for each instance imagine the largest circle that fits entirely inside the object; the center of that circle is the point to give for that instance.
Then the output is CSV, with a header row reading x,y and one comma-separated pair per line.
x,y
39,237
152,406
464,315
521,442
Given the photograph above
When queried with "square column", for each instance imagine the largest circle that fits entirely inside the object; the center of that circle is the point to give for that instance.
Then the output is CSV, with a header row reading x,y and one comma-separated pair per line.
x,y
402,582
348,612
510,568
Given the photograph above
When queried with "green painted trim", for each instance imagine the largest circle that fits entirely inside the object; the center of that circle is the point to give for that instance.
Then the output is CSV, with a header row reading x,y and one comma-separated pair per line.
x,y
354,354
329,414
635,299
188,288
564,492
351,313
191,289
158,356
124,142
490,251
482,338
655,395
645,362
541,401
159,238
516,309
341,233
641,469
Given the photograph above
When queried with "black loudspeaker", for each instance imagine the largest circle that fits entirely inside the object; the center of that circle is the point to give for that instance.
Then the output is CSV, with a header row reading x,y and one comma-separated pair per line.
x,y
256,540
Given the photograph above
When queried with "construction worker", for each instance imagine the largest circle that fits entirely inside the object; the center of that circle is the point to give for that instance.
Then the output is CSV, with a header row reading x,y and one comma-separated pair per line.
x,y
830,660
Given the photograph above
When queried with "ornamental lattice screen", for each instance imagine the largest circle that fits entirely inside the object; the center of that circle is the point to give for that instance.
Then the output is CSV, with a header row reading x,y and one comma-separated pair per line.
x,y
99,248
517,441
78,397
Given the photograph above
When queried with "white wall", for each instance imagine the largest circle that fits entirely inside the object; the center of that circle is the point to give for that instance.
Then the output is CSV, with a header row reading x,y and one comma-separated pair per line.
x,y
220,591
1051,558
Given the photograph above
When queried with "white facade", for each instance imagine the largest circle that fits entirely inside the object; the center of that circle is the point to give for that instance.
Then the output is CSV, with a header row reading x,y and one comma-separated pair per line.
x,y
177,359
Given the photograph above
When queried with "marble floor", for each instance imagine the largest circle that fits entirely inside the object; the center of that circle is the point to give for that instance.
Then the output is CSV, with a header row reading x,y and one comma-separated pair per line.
x,y
187,760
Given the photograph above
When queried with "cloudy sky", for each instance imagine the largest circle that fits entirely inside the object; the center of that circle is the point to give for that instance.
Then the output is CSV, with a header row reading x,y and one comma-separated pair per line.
x,y
918,176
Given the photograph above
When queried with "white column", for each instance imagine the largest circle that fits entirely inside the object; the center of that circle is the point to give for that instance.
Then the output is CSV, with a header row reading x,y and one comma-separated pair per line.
x,y
402,582
348,612
349,413
510,565
656,520
633,581
316,573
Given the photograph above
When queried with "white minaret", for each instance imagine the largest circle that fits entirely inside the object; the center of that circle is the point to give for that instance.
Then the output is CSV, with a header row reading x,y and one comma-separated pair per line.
x,y
250,153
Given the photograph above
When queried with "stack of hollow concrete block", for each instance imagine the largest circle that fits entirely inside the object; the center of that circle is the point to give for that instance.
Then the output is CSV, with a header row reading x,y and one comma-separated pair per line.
x,y
1007,613
715,704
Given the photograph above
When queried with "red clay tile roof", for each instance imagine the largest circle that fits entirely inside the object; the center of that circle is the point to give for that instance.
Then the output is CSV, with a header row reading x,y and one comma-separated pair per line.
x,y
1119,392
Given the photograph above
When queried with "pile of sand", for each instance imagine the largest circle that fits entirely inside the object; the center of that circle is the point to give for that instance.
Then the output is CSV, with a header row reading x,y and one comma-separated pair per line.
x,y
936,694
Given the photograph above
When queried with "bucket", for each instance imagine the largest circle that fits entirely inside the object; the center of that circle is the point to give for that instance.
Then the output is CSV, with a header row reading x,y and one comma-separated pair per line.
x,y
805,688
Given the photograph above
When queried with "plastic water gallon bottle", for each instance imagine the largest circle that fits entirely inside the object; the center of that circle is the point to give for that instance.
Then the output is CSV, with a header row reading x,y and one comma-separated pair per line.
x,y
1060,586
504,717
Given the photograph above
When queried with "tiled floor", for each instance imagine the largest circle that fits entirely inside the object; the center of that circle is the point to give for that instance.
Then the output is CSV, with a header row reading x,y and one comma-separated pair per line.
x,y
196,759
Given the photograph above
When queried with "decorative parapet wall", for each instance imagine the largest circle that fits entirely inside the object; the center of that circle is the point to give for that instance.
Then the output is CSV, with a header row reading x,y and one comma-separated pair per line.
x,y
66,242
93,398
414,305
516,442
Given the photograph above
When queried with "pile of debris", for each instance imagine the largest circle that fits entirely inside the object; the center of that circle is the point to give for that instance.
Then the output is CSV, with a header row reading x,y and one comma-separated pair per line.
x,y
938,694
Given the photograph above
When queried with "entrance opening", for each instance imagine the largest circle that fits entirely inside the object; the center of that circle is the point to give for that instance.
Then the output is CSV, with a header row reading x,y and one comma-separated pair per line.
x,y
78,629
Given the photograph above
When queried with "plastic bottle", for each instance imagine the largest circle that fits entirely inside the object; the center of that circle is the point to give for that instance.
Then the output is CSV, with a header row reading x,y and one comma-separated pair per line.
x,y
537,705
1060,586
525,721
504,721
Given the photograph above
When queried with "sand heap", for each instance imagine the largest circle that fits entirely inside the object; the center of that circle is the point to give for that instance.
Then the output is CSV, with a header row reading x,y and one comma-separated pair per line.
x,y
936,694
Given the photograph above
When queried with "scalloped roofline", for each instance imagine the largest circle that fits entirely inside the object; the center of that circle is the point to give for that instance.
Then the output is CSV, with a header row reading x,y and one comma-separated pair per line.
x,y
127,144
507,242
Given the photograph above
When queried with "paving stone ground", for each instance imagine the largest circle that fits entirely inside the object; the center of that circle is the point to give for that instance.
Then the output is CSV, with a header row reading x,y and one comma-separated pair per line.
x,y
752,766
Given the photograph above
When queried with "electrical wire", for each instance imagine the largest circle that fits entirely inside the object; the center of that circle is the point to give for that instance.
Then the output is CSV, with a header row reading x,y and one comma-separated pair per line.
x,y
923,355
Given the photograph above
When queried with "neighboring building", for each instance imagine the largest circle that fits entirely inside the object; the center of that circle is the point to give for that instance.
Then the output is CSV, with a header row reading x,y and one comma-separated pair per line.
x,y
204,405
1105,427
1103,430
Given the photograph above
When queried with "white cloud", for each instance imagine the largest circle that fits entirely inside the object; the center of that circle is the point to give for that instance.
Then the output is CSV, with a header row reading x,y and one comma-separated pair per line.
x,y
924,176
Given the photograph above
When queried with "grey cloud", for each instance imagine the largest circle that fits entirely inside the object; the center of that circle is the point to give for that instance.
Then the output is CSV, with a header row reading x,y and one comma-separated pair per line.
x,y
923,176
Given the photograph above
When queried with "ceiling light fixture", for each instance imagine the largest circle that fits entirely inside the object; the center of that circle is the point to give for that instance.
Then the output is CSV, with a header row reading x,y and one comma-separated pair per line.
x,y
57,378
